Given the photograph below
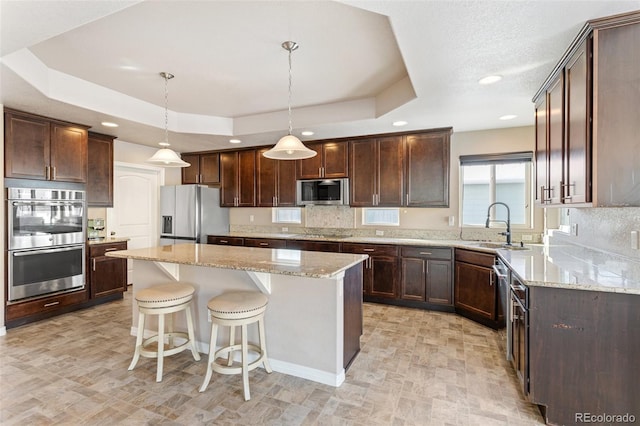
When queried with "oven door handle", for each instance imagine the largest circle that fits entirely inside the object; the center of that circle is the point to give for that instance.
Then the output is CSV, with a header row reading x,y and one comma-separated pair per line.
x,y
498,271
54,250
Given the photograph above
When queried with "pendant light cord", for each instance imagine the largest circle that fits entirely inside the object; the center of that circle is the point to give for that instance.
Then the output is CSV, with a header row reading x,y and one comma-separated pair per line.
x,y
290,78
166,109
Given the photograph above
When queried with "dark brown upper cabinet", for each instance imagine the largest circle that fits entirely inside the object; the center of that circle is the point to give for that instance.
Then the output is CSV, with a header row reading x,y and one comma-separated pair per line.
x,y
237,178
332,161
586,119
100,177
427,169
204,168
276,181
44,149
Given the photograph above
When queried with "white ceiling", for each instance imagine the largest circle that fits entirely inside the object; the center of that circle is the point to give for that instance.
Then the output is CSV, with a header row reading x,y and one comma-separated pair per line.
x,y
361,64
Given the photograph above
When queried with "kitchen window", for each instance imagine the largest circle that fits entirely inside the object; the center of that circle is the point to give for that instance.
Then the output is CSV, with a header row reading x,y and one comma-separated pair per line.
x,y
286,215
486,179
383,217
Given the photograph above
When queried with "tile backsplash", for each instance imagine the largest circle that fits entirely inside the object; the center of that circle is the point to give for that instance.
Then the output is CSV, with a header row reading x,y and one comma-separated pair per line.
x,y
606,229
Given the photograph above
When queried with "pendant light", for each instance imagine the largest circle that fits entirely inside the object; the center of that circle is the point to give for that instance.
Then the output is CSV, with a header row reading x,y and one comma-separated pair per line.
x,y
289,147
166,157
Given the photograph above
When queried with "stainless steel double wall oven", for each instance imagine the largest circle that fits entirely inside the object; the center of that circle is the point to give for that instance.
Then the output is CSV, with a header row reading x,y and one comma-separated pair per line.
x,y
45,241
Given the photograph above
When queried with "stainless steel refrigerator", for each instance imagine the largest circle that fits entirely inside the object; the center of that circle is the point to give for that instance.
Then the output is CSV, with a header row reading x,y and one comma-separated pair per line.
x,y
188,213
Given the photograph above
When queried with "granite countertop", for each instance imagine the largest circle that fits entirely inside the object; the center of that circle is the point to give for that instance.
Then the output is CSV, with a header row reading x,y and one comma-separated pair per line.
x,y
106,240
272,261
574,267
563,266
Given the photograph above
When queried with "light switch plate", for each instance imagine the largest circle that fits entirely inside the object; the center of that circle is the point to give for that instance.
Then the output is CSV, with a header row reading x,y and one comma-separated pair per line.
x,y
634,240
379,233
574,229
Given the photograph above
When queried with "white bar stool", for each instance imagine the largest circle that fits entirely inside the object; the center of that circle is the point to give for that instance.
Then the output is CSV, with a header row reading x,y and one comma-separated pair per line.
x,y
238,308
161,300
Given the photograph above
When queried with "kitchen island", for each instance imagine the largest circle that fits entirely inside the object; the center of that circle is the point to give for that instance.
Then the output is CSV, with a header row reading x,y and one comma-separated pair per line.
x,y
314,318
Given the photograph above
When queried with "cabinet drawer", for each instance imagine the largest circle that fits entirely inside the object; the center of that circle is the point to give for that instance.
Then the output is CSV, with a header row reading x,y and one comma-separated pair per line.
x,y
265,243
225,241
430,252
370,249
326,246
475,257
97,250
44,305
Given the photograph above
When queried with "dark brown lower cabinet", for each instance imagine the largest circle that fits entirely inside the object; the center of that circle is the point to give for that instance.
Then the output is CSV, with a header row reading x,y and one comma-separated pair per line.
x,y
225,241
476,289
326,246
583,355
107,275
265,242
426,275
381,269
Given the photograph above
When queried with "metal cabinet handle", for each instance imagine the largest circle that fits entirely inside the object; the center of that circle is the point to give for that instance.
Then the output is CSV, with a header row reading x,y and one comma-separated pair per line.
x,y
407,198
491,279
264,244
368,249
46,305
223,241
426,253
53,173
93,262
111,249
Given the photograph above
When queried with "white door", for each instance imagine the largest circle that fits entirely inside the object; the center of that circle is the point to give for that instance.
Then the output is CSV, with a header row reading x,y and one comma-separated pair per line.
x,y
136,190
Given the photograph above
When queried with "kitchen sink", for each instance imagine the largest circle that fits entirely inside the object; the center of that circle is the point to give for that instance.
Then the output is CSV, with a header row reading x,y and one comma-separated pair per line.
x,y
493,245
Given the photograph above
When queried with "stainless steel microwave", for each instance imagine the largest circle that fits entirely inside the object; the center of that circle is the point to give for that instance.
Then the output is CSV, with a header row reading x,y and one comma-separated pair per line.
x,y
322,192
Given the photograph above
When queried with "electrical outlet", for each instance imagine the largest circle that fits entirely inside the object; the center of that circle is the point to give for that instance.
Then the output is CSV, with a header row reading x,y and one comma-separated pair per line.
x,y
250,218
285,229
379,233
574,229
634,240
452,220
527,237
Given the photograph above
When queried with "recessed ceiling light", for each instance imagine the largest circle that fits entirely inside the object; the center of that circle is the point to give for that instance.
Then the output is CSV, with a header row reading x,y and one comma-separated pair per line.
x,y
307,133
490,79
400,123
129,67
109,124
235,141
508,117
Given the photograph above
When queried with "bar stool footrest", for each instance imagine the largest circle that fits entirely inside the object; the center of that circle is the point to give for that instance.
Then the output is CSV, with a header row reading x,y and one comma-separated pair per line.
x,y
152,353
225,369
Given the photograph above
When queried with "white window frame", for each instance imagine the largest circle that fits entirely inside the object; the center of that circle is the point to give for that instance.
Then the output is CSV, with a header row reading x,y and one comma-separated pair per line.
x,y
366,210
529,224
275,212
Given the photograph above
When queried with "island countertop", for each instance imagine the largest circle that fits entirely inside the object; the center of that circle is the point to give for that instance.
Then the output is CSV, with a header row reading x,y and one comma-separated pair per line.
x,y
272,261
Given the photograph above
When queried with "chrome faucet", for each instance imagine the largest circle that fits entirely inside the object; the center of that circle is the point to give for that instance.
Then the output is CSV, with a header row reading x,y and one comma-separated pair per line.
x,y
508,221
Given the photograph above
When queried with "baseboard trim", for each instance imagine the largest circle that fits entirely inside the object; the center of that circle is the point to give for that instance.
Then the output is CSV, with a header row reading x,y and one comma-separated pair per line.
x,y
3,331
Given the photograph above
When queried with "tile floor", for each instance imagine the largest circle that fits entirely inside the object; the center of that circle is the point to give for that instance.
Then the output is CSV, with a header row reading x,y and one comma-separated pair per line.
x,y
415,368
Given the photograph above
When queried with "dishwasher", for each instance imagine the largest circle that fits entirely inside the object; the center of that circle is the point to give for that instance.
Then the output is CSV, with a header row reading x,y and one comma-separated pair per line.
x,y
503,275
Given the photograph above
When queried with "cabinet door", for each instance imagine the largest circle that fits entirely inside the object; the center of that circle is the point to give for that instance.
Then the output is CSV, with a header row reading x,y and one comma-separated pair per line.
x,y
390,179
108,276
68,153
412,283
542,154
210,168
363,181
100,177
286,184
556,139
439,283
266,179
191,174
427,170
335,159
27,141
228,179
475,290
246,178
310,168
577,174
384,276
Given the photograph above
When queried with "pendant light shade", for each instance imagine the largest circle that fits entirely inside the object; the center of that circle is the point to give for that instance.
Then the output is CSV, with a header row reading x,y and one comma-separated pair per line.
x,y
289,147
166,157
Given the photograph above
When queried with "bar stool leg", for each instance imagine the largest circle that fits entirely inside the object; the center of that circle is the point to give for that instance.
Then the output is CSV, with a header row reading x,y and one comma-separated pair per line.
x,y
232,341
169,321
139,338
160,347
263,346
245,363
212,357
192,335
